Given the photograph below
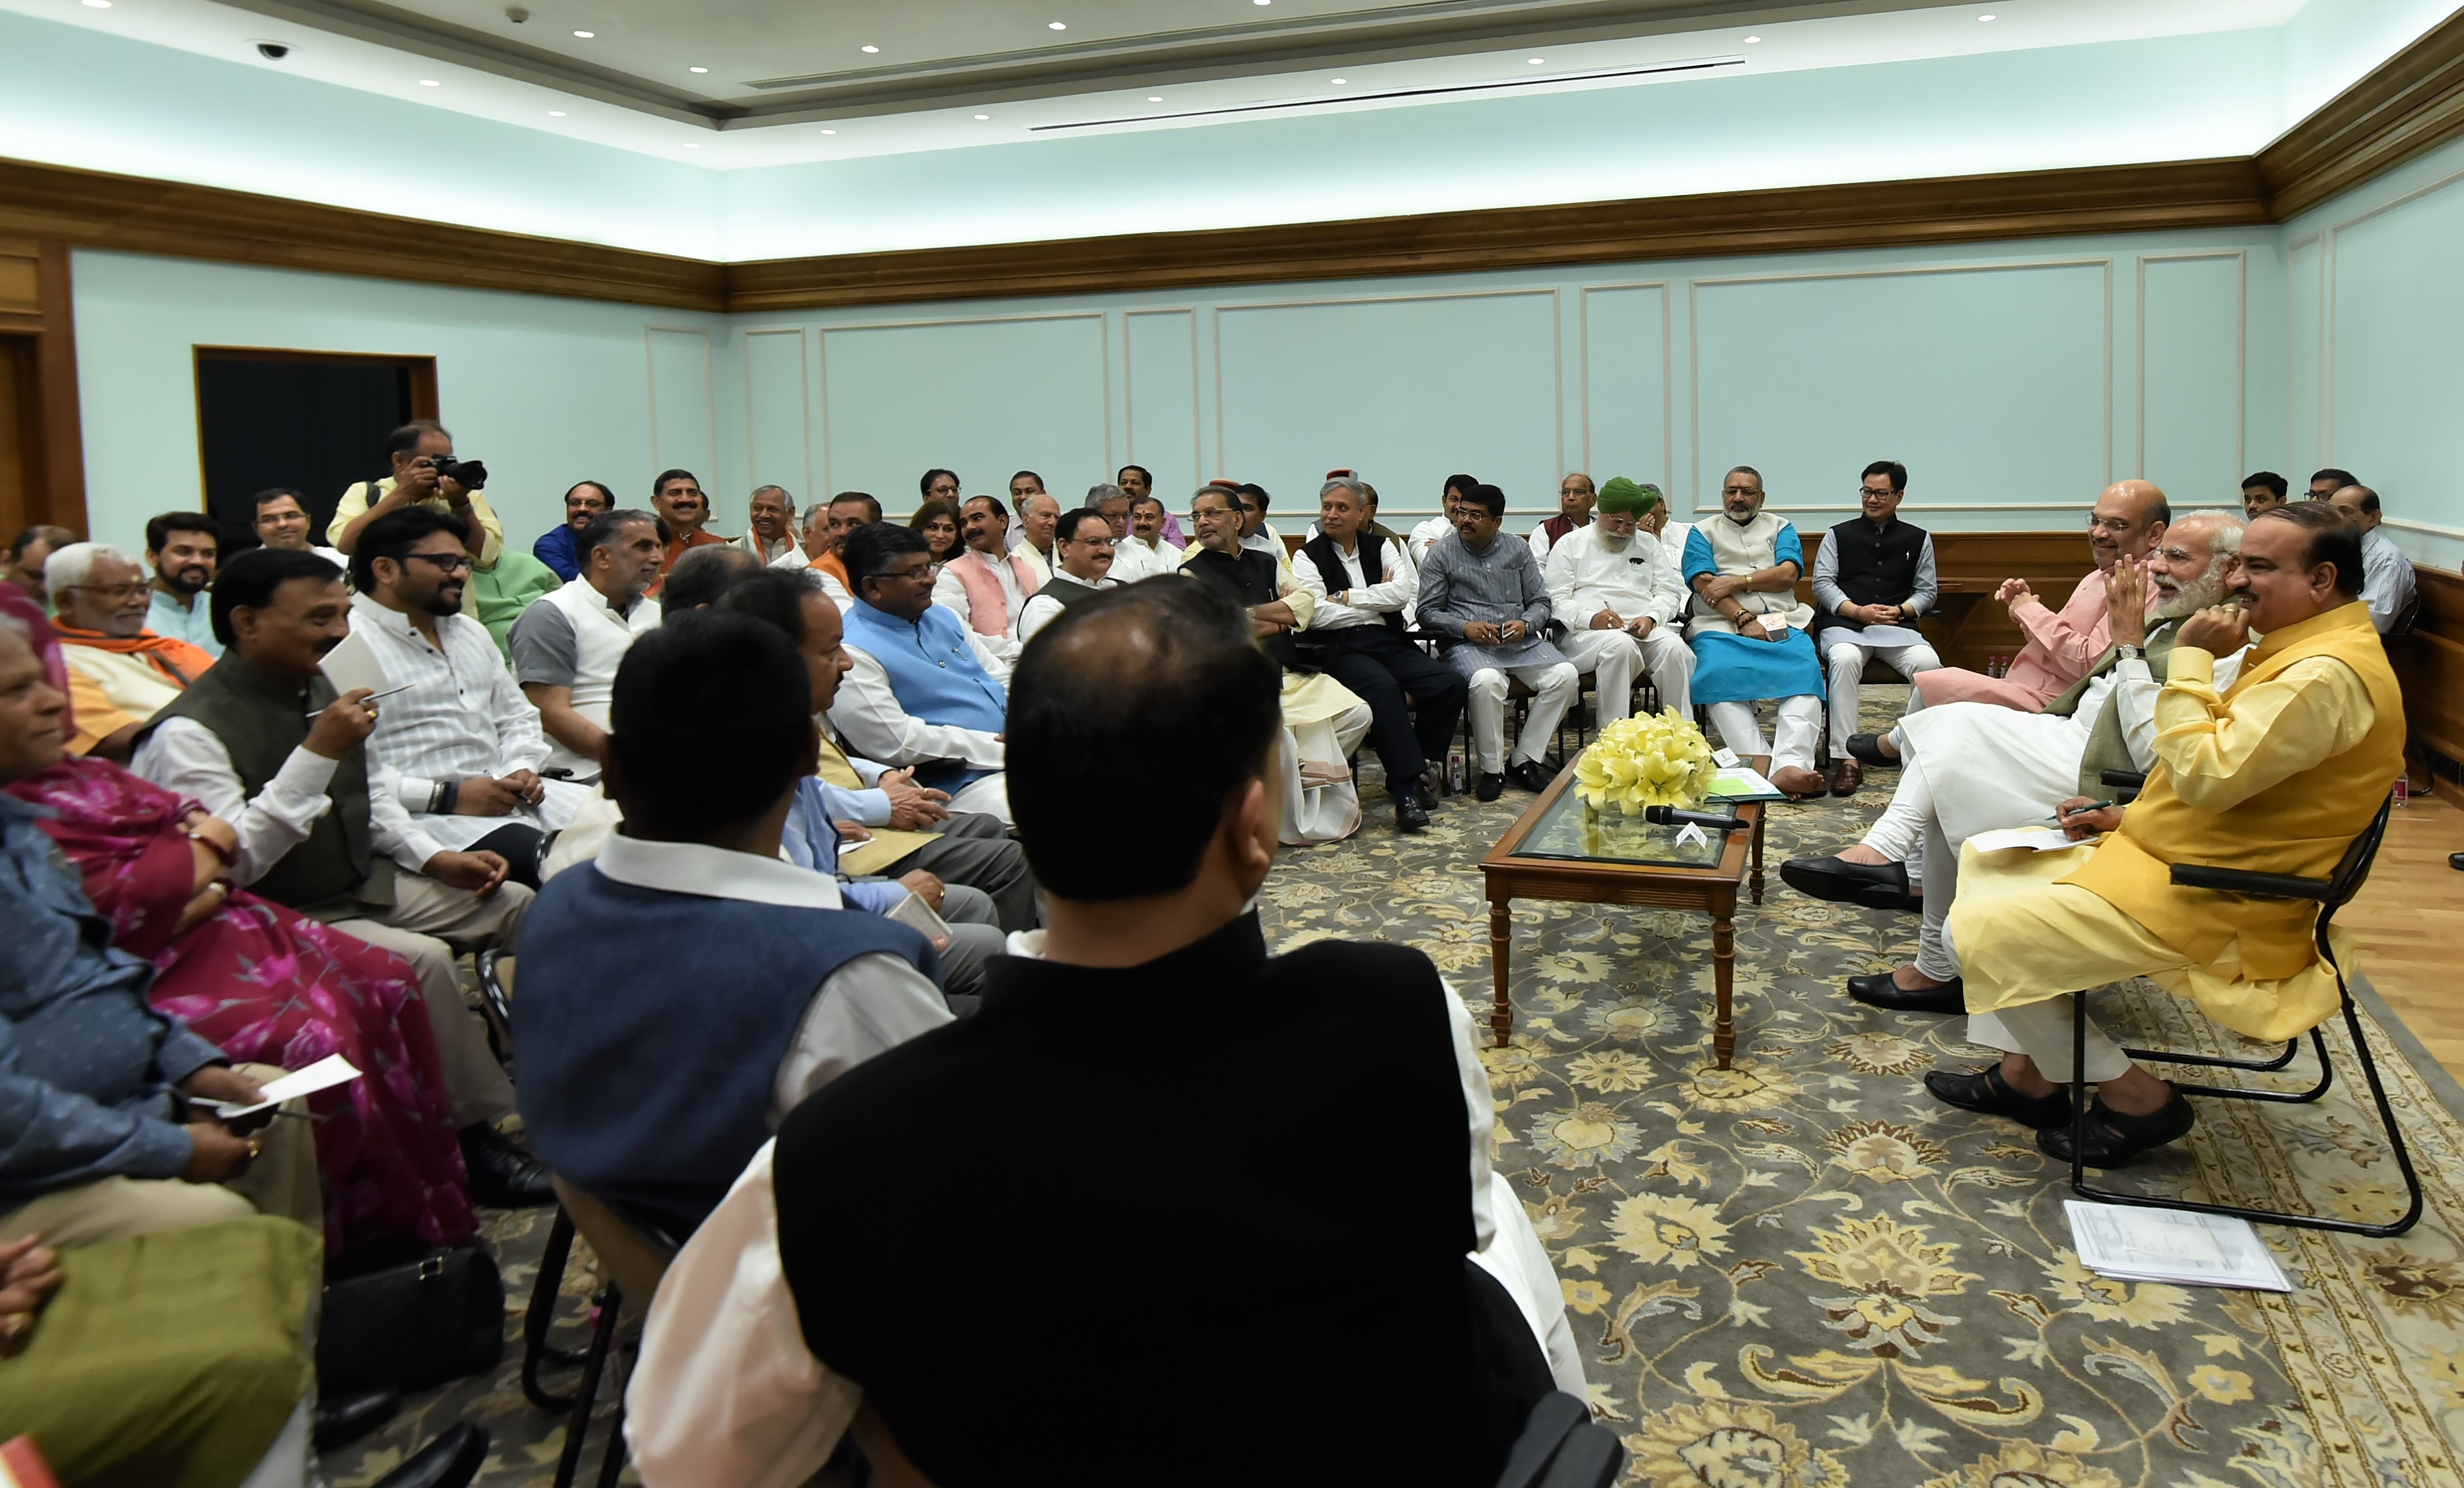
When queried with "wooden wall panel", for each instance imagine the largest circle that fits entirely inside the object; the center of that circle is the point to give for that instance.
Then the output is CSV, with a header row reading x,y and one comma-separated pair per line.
x,y
42,445
2429,662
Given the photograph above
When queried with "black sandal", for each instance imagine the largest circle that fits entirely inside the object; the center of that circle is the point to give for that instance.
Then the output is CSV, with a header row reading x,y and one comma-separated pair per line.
x,y
2115,1140
1984,1090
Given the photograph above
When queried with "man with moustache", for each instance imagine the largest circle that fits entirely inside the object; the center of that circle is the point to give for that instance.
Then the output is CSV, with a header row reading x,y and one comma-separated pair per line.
x,y
1146,551
1872,577
183,547
1617,593
1085,547
282,522
1139,482
556,549
770,515
120,673
567,644
683,513
987,585
1480,586
1577,499
1748,632
2129,518
261,742
1972,767
2278,773
925,692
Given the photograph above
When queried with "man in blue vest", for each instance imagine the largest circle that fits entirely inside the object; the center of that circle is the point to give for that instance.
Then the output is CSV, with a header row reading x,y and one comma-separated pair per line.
x,y
926,691
682,992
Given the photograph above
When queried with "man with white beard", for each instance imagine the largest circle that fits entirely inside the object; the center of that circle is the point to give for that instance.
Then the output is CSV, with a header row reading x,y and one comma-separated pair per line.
x,y
1617,592
2016,769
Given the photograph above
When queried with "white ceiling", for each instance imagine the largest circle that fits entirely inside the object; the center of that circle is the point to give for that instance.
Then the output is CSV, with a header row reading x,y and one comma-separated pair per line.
x,y
788,83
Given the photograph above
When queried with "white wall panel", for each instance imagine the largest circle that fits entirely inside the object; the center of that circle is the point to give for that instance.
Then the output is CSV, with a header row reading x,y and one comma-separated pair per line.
x,y
2191,312
1626,411
1407,389
1161,374
983,396
2306,390
2395,389
776,421
680,404
1992,384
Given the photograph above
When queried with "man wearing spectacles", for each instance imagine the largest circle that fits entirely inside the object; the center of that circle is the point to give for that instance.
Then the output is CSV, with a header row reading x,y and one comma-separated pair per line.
x,y
925,692
464,742
120,673
1083,544
1872,579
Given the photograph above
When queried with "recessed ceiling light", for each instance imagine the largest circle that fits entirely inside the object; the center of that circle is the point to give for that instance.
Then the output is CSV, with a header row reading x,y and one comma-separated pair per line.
x,y
872,48
1262,2
984,116
430,82
556,113
1155,98
696,69
585,34
1535,60
1339,80
829,131
1985,17
1056,25
1751,40
692,147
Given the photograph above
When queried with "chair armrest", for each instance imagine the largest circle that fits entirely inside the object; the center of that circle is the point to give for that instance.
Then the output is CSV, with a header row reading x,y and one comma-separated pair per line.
x,y
2255,885
2122,779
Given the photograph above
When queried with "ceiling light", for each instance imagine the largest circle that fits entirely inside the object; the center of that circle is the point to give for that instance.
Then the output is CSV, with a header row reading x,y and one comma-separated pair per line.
x,y
692,147
585,34
1751,40
1338,80
1155,98
1535,60
1056,25
696,69
1262,2
984,116
1985,17
430,82
872,48
556,113
829,131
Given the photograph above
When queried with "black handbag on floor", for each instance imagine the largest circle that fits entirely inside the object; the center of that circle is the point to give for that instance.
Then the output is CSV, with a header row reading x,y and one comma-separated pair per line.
x,y
409,1327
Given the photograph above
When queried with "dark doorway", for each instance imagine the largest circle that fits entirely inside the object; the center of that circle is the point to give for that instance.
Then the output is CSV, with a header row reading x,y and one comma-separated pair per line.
x,y
315,422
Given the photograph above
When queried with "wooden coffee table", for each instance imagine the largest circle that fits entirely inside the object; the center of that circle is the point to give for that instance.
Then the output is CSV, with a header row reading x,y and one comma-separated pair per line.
x,y
1546,855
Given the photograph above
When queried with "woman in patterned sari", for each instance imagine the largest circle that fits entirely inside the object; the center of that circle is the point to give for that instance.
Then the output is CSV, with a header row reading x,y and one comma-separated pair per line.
x,y
269,985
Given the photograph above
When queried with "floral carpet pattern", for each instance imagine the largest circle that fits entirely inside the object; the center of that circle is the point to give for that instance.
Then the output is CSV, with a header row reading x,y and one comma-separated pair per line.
x,y
1803,1272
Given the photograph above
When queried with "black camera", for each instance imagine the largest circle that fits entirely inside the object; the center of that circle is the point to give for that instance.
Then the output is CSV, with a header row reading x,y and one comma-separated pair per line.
x,y
470,474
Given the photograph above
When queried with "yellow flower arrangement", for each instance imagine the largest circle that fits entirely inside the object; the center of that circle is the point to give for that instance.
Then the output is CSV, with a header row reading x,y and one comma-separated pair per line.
x,y
1648,759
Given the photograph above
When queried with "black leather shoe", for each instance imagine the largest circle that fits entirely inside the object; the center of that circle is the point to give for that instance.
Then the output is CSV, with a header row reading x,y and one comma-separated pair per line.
x,y
503,1174
1410,816
1868,747
1883,885
1985,1091
2455,860
2115,1140
1879,990
1529,773
1489,787
343,1419
450,1462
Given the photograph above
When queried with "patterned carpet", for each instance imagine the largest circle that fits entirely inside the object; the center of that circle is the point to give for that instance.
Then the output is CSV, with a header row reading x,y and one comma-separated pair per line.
x,y
1804,1273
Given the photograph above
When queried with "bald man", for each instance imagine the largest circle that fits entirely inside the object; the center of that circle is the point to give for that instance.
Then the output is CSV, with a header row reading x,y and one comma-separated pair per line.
x,y
2062,647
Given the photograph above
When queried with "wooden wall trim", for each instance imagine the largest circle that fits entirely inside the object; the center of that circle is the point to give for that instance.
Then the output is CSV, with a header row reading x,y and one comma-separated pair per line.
x,y
55,376
2411,104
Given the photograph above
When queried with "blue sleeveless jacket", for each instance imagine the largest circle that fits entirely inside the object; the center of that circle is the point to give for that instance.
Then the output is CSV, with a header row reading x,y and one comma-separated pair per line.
x,y
937,677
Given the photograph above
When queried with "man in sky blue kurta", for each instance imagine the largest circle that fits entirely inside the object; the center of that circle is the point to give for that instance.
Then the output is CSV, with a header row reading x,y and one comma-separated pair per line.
x,y
1748,632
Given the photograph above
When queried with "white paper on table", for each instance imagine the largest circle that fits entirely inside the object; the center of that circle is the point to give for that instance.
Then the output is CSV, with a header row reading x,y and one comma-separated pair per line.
x,y
2035,839
2168,1245
326,1073
354,664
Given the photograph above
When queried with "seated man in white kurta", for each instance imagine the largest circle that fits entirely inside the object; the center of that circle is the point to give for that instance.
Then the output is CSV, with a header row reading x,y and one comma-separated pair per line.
x,y
1748,632
1973,767
1615,590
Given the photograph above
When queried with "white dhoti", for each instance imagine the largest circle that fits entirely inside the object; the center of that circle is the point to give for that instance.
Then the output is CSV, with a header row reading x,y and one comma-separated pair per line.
x,y
2012,768
1324,721
1614,658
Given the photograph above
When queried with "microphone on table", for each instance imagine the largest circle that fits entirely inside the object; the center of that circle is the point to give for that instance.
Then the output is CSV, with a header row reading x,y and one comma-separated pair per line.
x,y
1670,816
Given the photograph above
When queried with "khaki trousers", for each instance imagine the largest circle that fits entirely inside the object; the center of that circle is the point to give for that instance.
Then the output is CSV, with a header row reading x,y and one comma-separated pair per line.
x,y
282,1180
431,925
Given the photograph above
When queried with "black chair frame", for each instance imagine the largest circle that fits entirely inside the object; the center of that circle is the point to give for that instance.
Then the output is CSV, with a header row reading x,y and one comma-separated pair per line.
x,y
2330,893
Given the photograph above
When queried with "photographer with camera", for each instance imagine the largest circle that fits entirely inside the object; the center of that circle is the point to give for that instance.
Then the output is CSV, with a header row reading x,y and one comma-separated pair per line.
x,y
425,473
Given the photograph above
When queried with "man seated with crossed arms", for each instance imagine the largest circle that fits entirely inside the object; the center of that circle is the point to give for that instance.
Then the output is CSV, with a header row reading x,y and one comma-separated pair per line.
x,y
2276,774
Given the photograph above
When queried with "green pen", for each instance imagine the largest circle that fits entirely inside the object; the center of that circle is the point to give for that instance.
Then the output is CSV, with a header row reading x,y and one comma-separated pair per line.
x,y
2057,818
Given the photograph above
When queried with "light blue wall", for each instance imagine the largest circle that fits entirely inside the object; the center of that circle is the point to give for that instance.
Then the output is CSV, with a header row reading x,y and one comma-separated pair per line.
x,y
2376,313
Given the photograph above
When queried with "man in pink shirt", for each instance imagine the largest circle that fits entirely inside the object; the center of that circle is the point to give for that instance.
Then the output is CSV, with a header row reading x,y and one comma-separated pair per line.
x,y
2063,648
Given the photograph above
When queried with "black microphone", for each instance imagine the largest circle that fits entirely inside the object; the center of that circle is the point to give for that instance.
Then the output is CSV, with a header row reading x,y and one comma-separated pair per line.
x,y
1670,816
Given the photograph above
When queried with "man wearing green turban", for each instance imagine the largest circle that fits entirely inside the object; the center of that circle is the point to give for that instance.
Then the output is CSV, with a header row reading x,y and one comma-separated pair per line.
x,y
1618,594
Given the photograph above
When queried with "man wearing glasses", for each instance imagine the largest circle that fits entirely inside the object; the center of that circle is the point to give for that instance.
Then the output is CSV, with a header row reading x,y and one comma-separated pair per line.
x,y
464,743
120,673
2129,520
925,692
1084,544
1872,579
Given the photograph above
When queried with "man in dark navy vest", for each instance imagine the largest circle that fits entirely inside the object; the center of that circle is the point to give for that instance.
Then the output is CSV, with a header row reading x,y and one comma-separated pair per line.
x,y
944,1189
685,990
1872,579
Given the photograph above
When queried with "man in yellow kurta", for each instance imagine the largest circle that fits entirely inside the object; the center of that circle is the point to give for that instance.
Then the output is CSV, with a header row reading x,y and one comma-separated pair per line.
x,y
413,449
2278,775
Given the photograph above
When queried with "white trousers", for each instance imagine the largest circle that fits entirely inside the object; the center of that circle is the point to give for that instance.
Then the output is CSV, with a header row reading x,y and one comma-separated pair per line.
x,y
1846,661
1898,834
2042,1032
1614,659
1800,727
1554,688
989,796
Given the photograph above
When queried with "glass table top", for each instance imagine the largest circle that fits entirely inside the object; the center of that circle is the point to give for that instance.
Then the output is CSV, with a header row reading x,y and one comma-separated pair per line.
x,y
1563,832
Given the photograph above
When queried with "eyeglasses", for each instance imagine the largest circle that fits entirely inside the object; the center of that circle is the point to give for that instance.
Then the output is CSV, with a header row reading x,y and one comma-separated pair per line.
x,y
124,591
450,563
1105,542
1862,491
927,571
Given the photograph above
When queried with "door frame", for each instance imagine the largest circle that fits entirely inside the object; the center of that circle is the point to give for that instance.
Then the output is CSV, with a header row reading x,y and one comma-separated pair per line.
x,y
422,369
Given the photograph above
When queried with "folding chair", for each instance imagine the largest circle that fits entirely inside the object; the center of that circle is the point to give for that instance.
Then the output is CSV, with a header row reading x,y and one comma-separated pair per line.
x,y
2330,893
636,1257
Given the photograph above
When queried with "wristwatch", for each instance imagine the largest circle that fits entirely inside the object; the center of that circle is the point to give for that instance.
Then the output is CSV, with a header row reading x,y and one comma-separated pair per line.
x,y
2131,653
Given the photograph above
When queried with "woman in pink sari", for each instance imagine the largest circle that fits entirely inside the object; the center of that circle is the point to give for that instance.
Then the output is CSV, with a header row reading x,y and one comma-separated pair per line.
x,y
269,985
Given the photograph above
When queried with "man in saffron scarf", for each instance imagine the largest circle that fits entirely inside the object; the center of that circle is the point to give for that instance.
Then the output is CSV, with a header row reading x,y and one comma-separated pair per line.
x,y
120,672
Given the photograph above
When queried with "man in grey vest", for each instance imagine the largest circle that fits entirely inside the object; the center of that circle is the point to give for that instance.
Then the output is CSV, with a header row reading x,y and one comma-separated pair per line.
x,y
2016,768
1083,545
263,742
